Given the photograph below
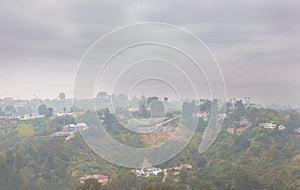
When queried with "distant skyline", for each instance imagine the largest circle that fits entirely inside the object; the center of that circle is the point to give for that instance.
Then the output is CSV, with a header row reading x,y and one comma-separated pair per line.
x,y
256,43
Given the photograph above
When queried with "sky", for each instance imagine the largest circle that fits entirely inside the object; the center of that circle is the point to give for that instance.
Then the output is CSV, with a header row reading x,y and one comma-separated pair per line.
x,y
256,43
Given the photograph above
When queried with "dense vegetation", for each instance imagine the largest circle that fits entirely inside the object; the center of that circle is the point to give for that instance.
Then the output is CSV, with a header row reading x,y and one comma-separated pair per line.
x,y
257,158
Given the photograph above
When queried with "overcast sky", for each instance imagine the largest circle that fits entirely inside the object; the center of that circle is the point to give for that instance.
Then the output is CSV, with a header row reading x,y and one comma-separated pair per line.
x,y
256,43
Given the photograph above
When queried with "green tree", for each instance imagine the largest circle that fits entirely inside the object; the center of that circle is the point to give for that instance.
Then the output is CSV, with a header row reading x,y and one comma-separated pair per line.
x,y
91,184
43,110
187,110
62,96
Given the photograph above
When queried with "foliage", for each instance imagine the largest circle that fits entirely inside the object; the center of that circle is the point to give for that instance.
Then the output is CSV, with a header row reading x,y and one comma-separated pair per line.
x,y
43,110
255,159
62,96
25,129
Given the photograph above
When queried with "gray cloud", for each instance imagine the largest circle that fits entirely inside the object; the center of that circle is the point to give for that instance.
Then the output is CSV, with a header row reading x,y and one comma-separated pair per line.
x,y
256,43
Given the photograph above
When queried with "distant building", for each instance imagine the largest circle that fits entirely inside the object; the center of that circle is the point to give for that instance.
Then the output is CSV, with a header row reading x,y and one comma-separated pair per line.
x,y
175,170
269,125
64,114
75,127
81,126
186,166
69,128
103,179
133,109
29,117
165,129
281,127
204,115
146,172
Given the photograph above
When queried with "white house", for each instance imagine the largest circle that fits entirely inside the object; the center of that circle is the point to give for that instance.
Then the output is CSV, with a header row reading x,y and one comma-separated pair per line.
x,y
30,117
153,170
103,179
203,115
281,127
75,127
70,128
269,125
146,172
81,126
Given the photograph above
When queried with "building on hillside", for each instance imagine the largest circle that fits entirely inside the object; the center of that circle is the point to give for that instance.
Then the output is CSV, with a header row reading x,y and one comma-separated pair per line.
x,y
269,125
75,127
69,128
165,129
244,122
204,115
103,179
186,166
281,127
146,172
175,170
29,117
81,126
133,109
64,114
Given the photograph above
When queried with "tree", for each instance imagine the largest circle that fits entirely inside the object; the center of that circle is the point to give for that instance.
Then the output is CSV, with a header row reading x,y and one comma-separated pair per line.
x,y
294,120
183,176
240,143
150,99
90,184
245,180
102,96
10,110
62,96
43,110
156,106
187,110
206,106
121,101
1,112
143,112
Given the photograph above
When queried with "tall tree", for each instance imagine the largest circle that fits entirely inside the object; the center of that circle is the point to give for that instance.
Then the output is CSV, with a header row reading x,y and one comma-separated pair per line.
x,y
62,96
43,110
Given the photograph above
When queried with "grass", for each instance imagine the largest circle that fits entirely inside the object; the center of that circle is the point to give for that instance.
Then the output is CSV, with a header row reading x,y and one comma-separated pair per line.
x,y
25,129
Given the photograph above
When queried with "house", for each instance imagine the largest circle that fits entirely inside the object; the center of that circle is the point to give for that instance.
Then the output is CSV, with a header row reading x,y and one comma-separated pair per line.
x,y
165,129
133,109
281,127
269,125
153,170
30,117
201,114
81,126
175,170
297,130
221,116
64,114
186,166
103,179
75,127
70,128
146,172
